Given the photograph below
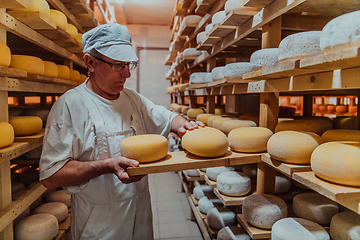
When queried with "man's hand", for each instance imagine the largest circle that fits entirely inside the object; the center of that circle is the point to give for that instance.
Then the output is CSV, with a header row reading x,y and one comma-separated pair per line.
x,y
119,166
189,126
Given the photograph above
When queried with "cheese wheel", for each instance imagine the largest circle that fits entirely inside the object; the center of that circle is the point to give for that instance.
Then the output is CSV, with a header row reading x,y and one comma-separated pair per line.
x,y
250,170
218,111
191,20
197,77
249,139
292,146
72,30
194,112
218,17
63,71
59,196
205,142
231,124
17,186
218,122
337,162
298,228
74,75
263,210
22,215
59,19
203,117
201,37
192,173
217,73
233,183
300,45
233,5
79,39
345,225
282,184
314,207
341,109
26,125
7,134
211,119
83,78
250,116
208,202
219,217
30,64
58,209
265,57
144,148
346,122
208,28
36,6
191,52
5,54
315,125
50,69
213,172
233,233
341,32
202,191
237,69
37,226
341,135
184,110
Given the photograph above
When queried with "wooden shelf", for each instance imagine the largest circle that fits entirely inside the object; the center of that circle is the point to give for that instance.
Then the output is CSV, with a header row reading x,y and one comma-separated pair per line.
x,y
44,79
209,182
11,72
34,20
13,3
190,178
254,232
229,200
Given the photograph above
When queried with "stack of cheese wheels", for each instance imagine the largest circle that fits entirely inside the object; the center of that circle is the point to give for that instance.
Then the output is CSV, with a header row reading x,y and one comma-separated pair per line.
x,y
231,124
144,148
8,134
298,228
59,196
37,226
341,135
50,69
250,170
265,57
203,117
233,183
314,207
315,125
300,45
345,225
5,52
213,173
198,77
341,32
208,202
58,209
263,210
74,75
59,18
341,109
211,120
219,217
30,64
218,17
202,191
236,70
217,73
26,125
233,233
218,111
63,71
72,30
173,105
293,146
346,122
205,142
337,162
249,139
194,112
218,122
36,6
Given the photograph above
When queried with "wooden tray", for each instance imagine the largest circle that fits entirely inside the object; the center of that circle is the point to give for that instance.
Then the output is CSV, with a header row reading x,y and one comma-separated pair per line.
x,y
12,72
210,182
34,20
190,179
254,232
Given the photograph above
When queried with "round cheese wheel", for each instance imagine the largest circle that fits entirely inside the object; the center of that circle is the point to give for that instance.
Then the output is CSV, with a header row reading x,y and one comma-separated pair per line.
x,y
300,45
202,191
250,170
265,57
341,135
36,6
5,52
298,228
63,71
237,69
292,146
26,125
315,125
197,77
211,120
337,162
192,173
22,215
213,172
345,225
233,183
341,109
219,217
74,75
249,139
184,110
37,226
201,37
330,108
203,117
194,112
218,111
191,20
58,209
282,184
217,73
79,39
346,122
191,52
233,233
7,134
72,30
17,186
50,69
314,207
218,122
233,5
144,148
83,78
208,202
218,17
208,28
205,142
30,64
231,124
59,19
250,116
341,32
263,210
59,196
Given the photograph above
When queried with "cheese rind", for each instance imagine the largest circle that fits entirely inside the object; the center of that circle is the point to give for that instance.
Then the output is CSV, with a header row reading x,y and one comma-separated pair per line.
x,y
37,226
265,57
72,30
37,6
232,233
197,77
217,73
59,18
192,113
74,75
211,120
213,172
59,196
315,125
237,69
50,69
26,125
345,225
7,133
58,209
233,183
232,5
249,139
30,64
218,17
219,217
203,117
208,202
63,71
5,52
236,123
202,191
218,122
341,135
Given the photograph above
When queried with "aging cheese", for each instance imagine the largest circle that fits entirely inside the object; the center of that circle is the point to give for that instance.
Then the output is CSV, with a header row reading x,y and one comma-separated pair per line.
x,y
37,6
37,226
58,209
197,77
83,78
282,184
63,71
249,139
144,148
314,207
236,123
191,52
5,52
250,170
59,18
74,75
211,120
218,17
217,73
263,210
79,39
50,69
315,125
59,196
26,125
218,122
192,173
265,57
30,64
184,110
213,172
7,134
341,122
72,30
298,228
208,202
202,191
232,233
337,162
345,225
208,28
194,112
203,117
341,135
233,5
250,116
292,146
201,37
237,69
233,183
219,217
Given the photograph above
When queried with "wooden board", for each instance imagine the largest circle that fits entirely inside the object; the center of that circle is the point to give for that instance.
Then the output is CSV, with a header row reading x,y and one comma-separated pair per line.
x,y
13,3
65,225
345,195
195,201
238,17
35,20
254,232
55,34
12,72
38,137
210,182
86,22
40,78
190,178
211,40
203,216
221,31
13,151
76,8
212,231
231,201
257,3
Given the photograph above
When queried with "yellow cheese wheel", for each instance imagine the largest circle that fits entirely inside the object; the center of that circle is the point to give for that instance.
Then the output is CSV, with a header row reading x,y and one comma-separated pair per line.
x,y
346,122
72,30
58,209
218,122
7,134
218,111
337,162
293,146
79,38
211,120
50,69
63,71
249,139
184,110
341,135
74,75
5,54
182,87
59,18
205,142
203,117
83,78
144,148
193,112
59,196
30,64
36,5
26,125
37,226
315,125
89,15
236,123
172,106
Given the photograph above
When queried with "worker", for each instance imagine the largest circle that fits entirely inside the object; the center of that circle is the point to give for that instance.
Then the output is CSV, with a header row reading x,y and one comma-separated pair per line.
x,y
81,149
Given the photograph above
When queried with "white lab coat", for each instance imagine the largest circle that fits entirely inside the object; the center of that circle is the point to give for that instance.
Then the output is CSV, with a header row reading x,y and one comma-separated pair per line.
x,y
85,126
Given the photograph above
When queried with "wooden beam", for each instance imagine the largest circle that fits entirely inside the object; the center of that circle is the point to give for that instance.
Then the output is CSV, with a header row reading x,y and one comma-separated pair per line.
x,y
304,23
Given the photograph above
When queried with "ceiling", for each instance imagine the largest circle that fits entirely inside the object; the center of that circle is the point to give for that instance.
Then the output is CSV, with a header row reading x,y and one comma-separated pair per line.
x,y
142,12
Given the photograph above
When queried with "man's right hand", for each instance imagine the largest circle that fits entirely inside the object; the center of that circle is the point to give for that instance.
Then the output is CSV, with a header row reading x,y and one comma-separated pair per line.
x,y
119,166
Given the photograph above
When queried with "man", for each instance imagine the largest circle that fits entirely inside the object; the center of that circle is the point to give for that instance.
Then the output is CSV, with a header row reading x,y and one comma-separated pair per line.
x,y
81,144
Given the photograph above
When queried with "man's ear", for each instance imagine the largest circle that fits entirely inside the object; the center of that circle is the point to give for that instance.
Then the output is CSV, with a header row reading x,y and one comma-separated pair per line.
x,y
89,62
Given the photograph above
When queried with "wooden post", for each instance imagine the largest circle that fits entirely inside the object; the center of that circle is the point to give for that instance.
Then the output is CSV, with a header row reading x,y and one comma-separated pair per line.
x,y
210,104
265,179
269,110
271,34
307,105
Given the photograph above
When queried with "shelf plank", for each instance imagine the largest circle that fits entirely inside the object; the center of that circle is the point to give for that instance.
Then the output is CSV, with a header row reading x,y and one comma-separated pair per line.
x,y
13,3
58,34
65,225
76,7
257,3
13,151
12,72
209,182
190,178
35,20
38,137
238,17
221,31
212,231
40,78
86,22
203,216
345,195
229,200
254,232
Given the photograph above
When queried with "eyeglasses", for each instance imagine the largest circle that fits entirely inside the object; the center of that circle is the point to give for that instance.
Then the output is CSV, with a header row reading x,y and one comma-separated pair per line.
x,y
119,66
